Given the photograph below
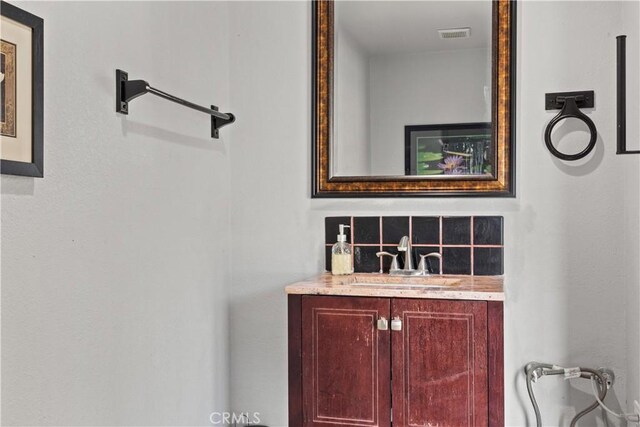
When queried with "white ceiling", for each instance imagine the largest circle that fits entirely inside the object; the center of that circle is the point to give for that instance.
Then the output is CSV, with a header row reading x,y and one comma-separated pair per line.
x,y
384,27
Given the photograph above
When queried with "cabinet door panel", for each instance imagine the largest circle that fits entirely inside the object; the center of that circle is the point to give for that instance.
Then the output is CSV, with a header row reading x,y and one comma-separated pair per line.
x,y
439,363
346,362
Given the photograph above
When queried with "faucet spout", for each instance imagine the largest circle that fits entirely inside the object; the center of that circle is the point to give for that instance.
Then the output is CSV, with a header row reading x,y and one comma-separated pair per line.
x,y
405,246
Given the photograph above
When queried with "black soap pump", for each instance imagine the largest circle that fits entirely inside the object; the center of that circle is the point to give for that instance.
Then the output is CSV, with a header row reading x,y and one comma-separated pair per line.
x,y
341,260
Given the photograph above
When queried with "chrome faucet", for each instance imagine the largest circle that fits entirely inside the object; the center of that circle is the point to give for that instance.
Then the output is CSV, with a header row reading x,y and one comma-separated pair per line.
x,y
405,246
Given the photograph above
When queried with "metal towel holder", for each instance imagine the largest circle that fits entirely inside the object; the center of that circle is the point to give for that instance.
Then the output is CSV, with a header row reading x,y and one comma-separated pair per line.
x,y
126,90
569,104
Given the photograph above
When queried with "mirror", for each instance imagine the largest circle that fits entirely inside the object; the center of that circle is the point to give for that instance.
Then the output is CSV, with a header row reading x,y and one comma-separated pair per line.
x,y
413,98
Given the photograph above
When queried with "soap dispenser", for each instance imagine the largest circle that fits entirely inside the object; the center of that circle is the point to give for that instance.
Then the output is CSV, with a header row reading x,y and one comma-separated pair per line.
x,y
341,261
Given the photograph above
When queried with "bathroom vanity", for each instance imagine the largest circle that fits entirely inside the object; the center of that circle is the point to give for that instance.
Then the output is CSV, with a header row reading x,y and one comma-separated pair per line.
x,y
379,350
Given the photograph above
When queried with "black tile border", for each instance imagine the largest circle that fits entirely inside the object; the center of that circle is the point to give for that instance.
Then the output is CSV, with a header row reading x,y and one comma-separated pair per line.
x,y
456,230
394,227
331,229
488,261
457,260
425,230
372,227
365,260
489,231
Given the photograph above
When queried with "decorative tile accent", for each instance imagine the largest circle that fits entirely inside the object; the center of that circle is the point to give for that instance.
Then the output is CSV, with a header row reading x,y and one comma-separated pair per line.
x,y
456,230
456,260
331,229
366,229
425,230
393,228
487,230
488,261
469,245
365,259
327,257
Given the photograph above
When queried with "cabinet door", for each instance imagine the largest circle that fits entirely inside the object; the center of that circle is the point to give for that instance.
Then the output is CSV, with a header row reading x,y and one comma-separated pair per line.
x,y
346,362
439,360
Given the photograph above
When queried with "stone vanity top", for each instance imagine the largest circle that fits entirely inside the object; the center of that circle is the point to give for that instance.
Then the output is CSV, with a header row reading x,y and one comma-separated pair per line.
x,y
482,288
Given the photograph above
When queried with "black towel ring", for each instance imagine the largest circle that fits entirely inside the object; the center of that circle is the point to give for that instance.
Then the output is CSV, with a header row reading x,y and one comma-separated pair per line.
x,y
570,110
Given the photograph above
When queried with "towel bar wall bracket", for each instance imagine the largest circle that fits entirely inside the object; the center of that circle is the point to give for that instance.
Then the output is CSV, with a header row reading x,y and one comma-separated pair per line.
x,y
621,102
127,90
555,101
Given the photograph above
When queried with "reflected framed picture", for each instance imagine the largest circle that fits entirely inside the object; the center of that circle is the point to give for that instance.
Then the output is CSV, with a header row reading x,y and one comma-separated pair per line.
x,y
21,92
449,150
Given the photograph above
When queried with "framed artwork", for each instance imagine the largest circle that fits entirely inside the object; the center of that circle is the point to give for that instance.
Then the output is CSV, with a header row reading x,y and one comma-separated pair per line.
x,y
21,92
449,151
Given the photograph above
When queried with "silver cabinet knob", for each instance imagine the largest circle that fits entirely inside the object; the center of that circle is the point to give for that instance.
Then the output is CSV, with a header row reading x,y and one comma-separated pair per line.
x,y
383,324
396,324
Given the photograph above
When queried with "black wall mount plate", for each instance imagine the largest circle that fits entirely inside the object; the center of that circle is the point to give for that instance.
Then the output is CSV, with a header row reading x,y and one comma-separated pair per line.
x,y
121,105
555,101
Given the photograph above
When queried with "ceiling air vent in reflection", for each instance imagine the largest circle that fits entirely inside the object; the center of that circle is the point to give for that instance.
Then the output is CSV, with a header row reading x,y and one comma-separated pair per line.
x,y
455,33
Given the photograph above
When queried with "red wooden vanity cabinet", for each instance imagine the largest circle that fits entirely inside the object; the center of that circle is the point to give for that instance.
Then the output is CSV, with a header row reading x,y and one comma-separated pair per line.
x,y
437,362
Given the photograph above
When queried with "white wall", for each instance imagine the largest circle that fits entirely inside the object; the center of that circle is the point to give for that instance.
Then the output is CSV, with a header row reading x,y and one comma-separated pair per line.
x,y
351,106
630,21
115,266
423,89
566,260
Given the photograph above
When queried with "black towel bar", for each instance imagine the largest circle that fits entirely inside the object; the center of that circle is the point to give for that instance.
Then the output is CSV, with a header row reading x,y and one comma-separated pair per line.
x,y
126,90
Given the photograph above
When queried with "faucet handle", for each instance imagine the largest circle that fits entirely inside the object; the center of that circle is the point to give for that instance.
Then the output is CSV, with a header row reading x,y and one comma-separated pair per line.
x,y
394,259
422,267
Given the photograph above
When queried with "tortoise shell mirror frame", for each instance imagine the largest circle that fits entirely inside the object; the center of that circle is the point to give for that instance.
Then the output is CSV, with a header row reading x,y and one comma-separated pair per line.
x,y
499,184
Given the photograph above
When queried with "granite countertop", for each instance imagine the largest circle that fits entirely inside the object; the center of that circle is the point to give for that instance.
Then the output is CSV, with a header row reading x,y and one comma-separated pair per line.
x,y
481,288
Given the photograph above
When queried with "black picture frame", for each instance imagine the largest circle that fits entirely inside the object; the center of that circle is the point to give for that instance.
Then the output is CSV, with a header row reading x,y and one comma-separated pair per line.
x,y
409,146
36,167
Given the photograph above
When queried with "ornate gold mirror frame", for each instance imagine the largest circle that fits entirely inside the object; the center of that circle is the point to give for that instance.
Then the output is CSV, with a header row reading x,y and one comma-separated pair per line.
x,y
500,184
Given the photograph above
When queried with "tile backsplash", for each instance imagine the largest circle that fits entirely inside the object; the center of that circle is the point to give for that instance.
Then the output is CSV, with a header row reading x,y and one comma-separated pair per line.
x,y
468,244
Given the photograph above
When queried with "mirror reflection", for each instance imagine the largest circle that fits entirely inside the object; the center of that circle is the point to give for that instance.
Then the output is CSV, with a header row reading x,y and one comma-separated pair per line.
x,y
412,89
